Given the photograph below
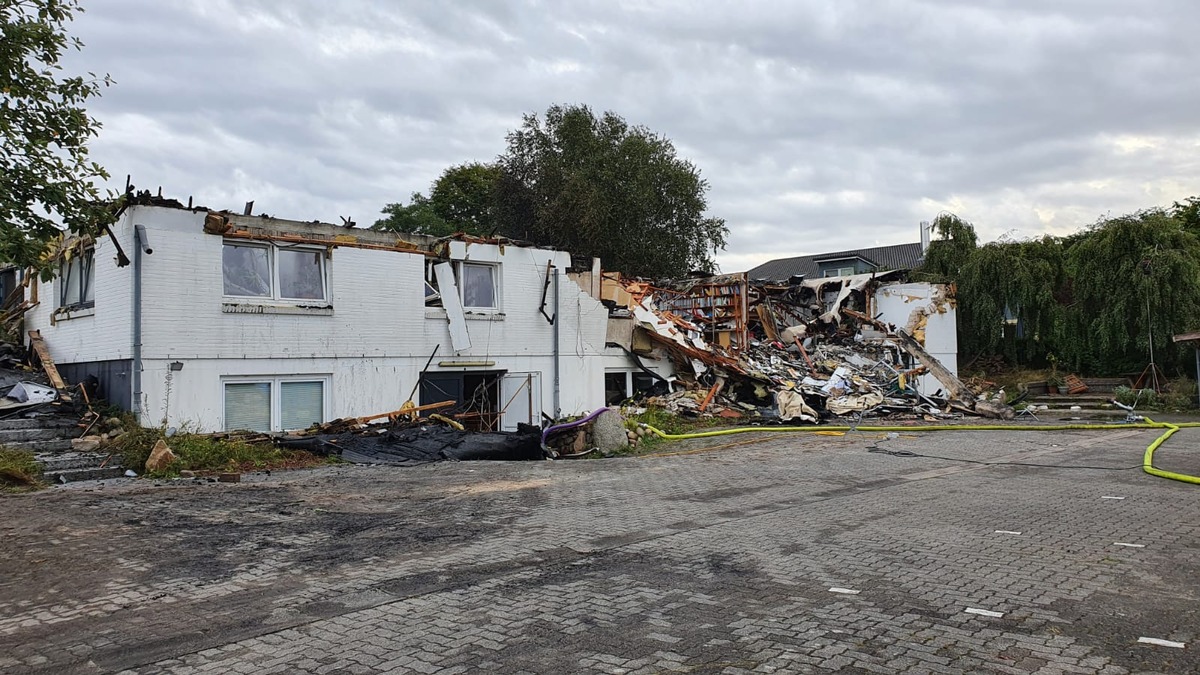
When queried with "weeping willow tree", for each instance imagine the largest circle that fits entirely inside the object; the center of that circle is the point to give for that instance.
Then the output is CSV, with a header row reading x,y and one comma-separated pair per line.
x,y
1010,299
949,252
1092,301
1131,278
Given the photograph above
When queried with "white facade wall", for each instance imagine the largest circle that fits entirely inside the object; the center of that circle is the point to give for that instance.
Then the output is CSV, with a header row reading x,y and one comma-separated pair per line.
x,y
371,347
908,305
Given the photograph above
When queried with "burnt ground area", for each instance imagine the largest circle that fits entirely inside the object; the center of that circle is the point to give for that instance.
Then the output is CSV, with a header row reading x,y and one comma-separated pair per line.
x,y
720,558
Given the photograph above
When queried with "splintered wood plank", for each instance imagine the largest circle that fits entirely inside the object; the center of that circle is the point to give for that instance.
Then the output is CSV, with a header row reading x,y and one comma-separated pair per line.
x,y
43,354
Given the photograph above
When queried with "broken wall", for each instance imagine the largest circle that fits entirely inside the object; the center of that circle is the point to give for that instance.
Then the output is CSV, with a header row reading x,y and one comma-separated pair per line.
x,y
927,312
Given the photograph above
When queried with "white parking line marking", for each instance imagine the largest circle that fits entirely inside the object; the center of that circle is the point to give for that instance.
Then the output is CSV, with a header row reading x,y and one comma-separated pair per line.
x,y
846,591
1006,532
1121,543
1161,643
984,612
1108,497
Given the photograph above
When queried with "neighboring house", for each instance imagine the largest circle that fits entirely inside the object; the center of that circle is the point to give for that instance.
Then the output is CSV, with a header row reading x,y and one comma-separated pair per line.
x,y
258,323
842,263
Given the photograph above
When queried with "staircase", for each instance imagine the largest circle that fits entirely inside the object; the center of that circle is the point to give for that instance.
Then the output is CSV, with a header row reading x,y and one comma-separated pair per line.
x,y
1090,404
49,439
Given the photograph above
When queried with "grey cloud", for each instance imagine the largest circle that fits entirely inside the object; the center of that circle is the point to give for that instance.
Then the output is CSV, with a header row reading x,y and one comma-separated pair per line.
x,y
819,125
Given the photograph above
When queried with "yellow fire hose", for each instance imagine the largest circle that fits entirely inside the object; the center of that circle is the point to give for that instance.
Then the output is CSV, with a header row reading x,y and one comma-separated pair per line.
x,y
1147,458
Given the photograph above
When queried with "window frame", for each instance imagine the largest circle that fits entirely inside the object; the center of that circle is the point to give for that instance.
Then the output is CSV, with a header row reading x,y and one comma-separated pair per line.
x,y
86,260
276,294
839,272
276,382
460,279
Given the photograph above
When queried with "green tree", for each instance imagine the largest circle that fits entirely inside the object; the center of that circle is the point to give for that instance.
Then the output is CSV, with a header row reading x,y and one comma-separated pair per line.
x,y
950,251
47,180
465,197
1022,281
1132,278
417,217
600,187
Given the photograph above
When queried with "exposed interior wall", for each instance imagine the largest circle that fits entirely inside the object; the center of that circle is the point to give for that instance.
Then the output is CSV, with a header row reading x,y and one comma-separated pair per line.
x,y
926,312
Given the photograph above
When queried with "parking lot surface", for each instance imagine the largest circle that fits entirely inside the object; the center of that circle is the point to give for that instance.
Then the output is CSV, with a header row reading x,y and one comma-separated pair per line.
x,y
785,553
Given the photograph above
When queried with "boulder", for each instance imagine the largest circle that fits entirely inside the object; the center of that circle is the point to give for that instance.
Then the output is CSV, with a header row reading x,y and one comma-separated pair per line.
x,y
160,457
85,444
608,430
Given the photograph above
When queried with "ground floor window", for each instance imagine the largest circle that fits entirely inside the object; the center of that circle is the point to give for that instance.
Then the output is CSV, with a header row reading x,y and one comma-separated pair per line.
x,y
274,404
622,385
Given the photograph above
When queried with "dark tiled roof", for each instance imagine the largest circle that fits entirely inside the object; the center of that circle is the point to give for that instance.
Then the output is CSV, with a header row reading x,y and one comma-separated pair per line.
x,y
898,257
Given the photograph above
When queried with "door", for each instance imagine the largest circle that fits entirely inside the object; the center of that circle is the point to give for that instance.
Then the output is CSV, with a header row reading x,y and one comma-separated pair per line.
x,y
520,400
438,387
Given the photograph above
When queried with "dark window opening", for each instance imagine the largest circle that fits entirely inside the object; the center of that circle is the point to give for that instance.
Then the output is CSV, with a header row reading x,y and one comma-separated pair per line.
x,y
476,397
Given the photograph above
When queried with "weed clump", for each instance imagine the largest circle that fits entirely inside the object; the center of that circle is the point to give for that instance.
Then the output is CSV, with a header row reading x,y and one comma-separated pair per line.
x,y
19,472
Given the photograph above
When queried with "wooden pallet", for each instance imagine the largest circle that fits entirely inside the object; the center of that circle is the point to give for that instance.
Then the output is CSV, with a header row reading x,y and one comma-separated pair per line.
x,y
1074,385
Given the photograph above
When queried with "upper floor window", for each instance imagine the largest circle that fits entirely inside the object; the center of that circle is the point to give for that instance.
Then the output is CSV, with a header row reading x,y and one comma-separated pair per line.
x,y
477,283
839,272
274,272
76,280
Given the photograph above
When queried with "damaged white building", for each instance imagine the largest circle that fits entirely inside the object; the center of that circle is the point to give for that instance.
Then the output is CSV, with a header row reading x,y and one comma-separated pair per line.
x,y
222,322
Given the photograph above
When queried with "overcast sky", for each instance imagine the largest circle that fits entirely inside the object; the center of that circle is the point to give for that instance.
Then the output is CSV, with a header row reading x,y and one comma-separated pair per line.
x,y
820,125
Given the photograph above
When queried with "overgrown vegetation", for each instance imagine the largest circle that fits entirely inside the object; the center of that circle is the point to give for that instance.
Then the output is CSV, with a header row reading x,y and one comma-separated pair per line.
x,y
206,454
18,471
1090,303
669,423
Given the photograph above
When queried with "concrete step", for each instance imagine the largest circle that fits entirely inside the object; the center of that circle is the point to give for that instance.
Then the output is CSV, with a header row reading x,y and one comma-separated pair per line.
x,y
74,460
86,473
38,423
9,436
57,445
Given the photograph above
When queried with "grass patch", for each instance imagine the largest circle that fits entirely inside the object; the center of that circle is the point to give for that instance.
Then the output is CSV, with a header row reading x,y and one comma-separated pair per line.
x,y
18,471
205,454
669,423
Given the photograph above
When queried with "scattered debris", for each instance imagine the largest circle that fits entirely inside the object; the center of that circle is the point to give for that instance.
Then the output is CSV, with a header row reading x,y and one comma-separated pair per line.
x,y
804,350
161,456
421,443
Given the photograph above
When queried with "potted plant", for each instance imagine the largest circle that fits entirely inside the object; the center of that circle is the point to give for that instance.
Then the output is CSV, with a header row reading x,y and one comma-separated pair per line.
x,y
1053,380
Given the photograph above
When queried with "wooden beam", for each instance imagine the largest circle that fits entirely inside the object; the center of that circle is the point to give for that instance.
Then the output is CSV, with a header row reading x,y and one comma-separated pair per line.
x,y
43,354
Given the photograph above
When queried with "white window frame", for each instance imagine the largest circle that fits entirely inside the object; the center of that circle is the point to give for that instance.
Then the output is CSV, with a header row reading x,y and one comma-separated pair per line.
x,y
276,398
459,278
87,267
839,272
273,262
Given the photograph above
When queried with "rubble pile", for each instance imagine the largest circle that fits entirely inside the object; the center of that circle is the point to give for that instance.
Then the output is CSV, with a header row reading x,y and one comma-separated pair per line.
x,y
802,351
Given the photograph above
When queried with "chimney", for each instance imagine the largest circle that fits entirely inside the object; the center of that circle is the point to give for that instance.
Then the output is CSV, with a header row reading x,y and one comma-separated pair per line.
x,y
926,229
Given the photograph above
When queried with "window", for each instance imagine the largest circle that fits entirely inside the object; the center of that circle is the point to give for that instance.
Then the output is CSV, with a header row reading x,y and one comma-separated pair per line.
x,y
840,272
477,283
76,276
273,272
274,404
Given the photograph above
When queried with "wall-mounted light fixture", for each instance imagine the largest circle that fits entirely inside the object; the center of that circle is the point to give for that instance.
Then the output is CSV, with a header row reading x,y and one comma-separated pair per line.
x,y
176,365
466,364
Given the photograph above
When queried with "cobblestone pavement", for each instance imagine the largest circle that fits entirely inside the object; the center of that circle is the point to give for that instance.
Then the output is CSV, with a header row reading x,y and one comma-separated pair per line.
x,y
795,553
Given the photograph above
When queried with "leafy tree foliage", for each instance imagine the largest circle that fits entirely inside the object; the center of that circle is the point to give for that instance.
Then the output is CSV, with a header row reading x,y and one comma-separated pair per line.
x,y
416,217
462,199
46,176
465,197
947,254
1092,301
1131,277
598,186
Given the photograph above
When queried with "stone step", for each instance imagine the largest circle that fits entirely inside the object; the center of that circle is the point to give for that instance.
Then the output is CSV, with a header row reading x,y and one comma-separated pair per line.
x,y
74,460
9,436
57,445
87,473
38,423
